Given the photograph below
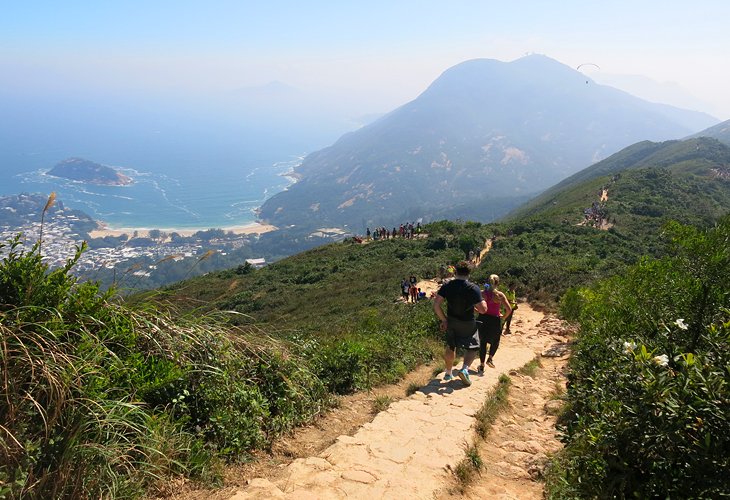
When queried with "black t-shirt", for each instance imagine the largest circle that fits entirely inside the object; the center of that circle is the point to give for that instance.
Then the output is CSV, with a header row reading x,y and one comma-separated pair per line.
x,y
461,297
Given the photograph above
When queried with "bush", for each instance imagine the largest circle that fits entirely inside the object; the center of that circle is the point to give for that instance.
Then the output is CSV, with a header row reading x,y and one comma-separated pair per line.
x,y
103,401
649,392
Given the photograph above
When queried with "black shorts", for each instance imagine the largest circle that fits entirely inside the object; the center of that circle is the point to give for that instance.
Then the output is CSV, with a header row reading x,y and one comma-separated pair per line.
x,y
490,328
464,334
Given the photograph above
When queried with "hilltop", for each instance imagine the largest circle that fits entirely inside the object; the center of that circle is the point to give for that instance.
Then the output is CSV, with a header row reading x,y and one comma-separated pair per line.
x,y
483,138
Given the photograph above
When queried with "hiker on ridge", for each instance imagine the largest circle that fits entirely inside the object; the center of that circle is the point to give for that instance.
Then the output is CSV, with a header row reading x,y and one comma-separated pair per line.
x,y
490,328
461,297
405,288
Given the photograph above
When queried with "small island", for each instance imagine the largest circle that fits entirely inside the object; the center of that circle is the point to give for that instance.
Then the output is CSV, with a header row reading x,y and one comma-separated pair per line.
x,y
81,170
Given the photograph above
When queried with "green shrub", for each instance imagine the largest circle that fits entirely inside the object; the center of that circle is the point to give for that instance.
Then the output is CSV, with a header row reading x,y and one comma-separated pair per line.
x,y
104,401
649,391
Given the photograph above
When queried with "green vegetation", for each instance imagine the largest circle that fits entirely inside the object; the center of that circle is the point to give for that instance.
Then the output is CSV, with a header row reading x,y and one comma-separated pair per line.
x,y
700,158
338,303
496,402
530,369
110,399
544,251
471,465
104,401
649,390
381,403
105,398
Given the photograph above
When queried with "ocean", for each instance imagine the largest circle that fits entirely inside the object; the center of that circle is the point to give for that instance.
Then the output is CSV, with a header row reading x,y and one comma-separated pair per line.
x,y
168,192
206,198
194,165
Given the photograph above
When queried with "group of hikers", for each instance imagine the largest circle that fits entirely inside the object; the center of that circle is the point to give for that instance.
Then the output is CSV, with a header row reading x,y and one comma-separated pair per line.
x,y
596,214
407,230
463,330
410,290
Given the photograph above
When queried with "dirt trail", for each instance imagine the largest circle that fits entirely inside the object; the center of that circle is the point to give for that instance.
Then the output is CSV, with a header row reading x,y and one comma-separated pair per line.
x,y
407,450
432,285
485,250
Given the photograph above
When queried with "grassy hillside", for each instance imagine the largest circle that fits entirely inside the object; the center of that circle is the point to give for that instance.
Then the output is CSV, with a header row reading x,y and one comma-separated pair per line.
x,y
721,132
327,289
700,157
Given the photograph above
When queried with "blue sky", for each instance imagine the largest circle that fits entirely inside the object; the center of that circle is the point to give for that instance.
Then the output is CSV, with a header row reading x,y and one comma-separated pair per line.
x,y
381,53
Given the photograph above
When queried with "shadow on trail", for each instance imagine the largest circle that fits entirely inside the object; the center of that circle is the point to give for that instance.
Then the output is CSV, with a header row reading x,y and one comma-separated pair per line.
x,y
441,388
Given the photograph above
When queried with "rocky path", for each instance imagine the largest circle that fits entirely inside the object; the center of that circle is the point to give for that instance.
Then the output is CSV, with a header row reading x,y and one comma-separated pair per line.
x,y
408,450
517,448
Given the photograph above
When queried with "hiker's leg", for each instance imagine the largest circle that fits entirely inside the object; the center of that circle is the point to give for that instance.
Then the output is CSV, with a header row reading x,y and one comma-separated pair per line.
x,y
469,357
508,322
482,342
494,345
449,354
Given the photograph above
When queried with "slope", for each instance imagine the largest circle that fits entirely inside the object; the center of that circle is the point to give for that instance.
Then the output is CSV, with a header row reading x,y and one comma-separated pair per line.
x,y
702,159
721,132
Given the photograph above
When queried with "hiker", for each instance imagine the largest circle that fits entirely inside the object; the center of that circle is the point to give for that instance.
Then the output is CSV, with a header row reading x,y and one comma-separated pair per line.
x,y
414,293
490,328
461,297
512,298
405,289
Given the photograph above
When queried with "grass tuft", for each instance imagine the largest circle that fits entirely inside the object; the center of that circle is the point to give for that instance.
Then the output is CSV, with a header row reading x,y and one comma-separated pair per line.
x,y
496,401
468,468
381,403
531,367
412,388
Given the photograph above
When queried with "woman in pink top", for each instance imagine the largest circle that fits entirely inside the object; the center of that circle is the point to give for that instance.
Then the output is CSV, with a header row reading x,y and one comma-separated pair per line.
x,y
490,328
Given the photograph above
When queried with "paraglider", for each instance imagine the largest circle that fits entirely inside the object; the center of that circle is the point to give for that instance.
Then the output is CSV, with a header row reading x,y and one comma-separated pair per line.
x,y
587,64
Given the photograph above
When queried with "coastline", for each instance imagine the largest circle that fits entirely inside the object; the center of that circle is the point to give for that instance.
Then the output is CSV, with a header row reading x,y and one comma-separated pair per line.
x,y
143,232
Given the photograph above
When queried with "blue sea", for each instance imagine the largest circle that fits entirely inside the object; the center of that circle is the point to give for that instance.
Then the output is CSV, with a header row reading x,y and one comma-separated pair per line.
x,y
204,197
171,189
192,168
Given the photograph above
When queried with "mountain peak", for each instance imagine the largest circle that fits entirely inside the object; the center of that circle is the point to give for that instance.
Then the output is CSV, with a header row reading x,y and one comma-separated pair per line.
x,y
480,139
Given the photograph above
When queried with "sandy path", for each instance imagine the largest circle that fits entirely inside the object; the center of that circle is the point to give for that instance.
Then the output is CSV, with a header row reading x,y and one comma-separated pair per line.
x,y
406,450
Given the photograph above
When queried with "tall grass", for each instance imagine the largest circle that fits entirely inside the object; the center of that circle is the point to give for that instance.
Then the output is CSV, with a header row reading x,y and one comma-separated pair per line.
x,y
100,400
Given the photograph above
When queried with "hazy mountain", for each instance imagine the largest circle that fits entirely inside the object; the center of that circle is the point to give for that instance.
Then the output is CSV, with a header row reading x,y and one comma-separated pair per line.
x,y
482,138
721,132
652,90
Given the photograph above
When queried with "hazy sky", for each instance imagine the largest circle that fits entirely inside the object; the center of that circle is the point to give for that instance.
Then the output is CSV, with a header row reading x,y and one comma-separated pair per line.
x,y
384,52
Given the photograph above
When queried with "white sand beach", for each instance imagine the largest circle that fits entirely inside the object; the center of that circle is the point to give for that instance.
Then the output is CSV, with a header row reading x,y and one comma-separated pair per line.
x,y
143,232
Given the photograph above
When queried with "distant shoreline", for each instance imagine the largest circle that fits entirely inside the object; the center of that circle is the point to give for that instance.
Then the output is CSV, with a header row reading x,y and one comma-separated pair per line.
x,y
143,232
